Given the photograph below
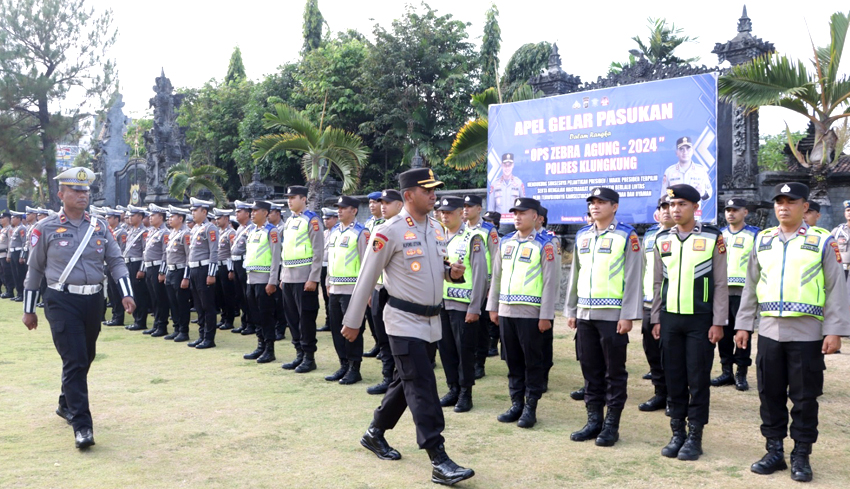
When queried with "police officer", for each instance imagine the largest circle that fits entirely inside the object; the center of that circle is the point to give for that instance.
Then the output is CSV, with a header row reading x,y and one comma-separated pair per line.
x,y
391,204
494,218
116,227
152,261
275,218
651,345
689,311
841,233
813,214
237,256
522,300
375,219
201,273
17,237
262,264
548,335
506,189
414,285
739,238
176,263
73,301
303,247
5,266
329,218
603,299
794,278
347,244
133,257
226,295
462,306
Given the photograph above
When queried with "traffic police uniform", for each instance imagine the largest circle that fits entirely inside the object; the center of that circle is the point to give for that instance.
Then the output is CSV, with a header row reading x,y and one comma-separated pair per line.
x,y
797,284
153,261
347,246
203,263
327,213
690,295
134,257
524,290
73,301
237,257
226,295
17,237
6,267
280,310
841,233
262,264
738,247
370,224
504,191
605,287
176,263
303,247
112,289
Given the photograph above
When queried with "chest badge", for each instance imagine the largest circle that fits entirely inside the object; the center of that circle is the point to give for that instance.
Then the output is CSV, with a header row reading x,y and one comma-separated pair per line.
x,y
665,247
699,245
409,235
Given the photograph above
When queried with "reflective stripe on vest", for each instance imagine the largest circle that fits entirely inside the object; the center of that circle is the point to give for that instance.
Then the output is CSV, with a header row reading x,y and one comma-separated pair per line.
x,y
738,248
601,276
522,272
258,251
297,249
485,237
343,256
458,249
688,286
792,281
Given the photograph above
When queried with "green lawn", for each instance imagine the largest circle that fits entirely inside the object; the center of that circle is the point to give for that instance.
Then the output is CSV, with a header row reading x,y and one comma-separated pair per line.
x,y
168,416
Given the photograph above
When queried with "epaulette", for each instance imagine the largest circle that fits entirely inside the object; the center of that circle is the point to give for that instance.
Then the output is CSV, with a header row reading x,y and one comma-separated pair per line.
x,y
711,229
509,235
309,214
752,229
625,227
543,237
488,226
819,230
269,226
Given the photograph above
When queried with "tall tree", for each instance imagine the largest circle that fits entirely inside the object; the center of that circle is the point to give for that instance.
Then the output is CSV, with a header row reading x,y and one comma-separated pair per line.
x,y
659,47
236,68
313,22
491,42
51,52
527,61
186,180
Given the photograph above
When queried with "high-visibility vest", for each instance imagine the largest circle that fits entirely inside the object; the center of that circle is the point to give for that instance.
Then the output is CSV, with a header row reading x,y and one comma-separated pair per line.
x,y
459,248
487,232
602,260
343,255
371,224
738,248
688,286
522,269
258,251
297,249
649,255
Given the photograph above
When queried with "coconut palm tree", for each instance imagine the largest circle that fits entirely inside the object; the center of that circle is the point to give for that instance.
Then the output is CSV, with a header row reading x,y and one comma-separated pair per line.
x,y
659,46
818,93
186,181
344,152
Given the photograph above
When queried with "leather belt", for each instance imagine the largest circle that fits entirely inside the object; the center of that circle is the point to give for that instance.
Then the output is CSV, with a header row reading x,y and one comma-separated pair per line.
x,y
196,264
414,308
77,289
154,263
132,260
176,267
236,257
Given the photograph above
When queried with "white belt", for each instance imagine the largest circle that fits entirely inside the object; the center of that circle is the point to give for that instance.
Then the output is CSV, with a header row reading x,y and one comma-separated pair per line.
x,y
176,267
132,260
77,289
155,263
236,257
15,249
196,264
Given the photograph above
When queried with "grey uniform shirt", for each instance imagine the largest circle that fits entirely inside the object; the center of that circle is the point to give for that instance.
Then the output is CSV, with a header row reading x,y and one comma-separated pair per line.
x,y
155,244
632,305
720,304
478,262
313,271
17,237
176,253
836,320
4,239
203,245
413,277
120,236
362,246
225,240
273,276
135,243
841,233
56,238
551,270
492,245
239,246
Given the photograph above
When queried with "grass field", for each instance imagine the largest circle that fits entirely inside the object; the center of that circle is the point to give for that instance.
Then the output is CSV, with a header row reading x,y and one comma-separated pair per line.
x,y
167,416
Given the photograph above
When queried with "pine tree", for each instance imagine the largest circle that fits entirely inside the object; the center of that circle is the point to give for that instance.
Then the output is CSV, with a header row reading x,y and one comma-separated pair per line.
x,y
313,21
236,68
490,45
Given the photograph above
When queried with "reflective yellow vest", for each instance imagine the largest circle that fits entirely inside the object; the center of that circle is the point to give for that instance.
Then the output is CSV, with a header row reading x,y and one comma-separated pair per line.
x,y
459,248
602,259
688,286
486,230
522,269
738,248
343,255
258,252
297,249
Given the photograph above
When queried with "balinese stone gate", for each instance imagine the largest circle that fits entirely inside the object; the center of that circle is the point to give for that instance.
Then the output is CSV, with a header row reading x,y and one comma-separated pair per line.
x,y
165,142
110,155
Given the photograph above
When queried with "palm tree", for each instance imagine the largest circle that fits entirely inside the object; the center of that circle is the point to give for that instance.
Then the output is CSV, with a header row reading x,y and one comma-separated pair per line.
x,y
659,47
469,148
344,152
820,95
187,180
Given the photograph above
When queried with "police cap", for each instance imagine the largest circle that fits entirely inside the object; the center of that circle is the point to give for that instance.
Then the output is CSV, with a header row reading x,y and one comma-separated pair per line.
x,y
794,190
347,201
328,213
736,203
200,204
419,177
604,193
524,204
296,190
374,196
391,195
814,206
450,203
77,178
473,200
684,141
262,205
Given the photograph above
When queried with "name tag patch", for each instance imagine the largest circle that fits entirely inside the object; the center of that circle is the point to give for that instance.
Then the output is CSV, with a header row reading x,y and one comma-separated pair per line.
x,y
739,242
605,245
525,256
811,243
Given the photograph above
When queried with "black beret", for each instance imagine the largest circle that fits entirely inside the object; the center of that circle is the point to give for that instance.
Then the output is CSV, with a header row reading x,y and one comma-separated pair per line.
x,y
683,191
525,203
419,177
604,193
794,190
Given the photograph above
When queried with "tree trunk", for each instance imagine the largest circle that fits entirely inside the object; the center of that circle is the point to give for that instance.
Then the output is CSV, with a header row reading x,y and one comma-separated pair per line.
x,y
48,153
314,195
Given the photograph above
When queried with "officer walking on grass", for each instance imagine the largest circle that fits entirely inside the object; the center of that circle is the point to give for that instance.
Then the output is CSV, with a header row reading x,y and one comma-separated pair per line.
x,y
69,250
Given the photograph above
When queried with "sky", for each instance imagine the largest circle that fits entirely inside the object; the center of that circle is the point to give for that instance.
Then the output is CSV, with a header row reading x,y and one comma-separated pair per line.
x,y
192,41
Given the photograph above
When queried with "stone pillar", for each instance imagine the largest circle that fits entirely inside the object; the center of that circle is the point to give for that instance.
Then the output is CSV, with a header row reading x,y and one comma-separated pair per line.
x,y
110,155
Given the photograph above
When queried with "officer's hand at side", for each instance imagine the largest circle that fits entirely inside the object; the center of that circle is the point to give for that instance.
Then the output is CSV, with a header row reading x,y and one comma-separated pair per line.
x,y
544,325
21,261
230,275
571,323
210,280
831,344
310,286
30,320
161,278
741,339
471,317
140,274
350,333
369,301
458,268
715,334
184,284
656,331
624,326
129,304
270,289
494,317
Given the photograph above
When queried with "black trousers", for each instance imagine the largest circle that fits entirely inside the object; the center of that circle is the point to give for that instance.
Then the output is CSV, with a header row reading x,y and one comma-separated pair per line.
x,y
204,296
522,347
159,298
112,290
325,294
789,370
652,350
75,325
379,300
279,312
482,336
178,299
8,279
301,308
242,292
729,353
258,300
140,294
226,295
347,351
603,362
458,347
19,271
687,356
415,386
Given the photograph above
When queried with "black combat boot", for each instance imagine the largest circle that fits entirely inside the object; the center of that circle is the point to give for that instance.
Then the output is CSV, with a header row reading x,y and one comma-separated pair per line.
x,y
268,353
173,334
801,471
692,448
163,331
183,335
374,441
373,352
479,370
493,351
308,365
149,331
445,471
380,388
656,402
464,400
610,428
514,412
225,325
450,399
594,424
678,439
741,378
353,375
577,395
773,460
299,357
257,352
193,344
339,373
238,330
529,414
249,330
725,378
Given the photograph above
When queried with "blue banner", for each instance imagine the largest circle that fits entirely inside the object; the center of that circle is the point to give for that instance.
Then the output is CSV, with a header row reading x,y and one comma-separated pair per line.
x,y
637,139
